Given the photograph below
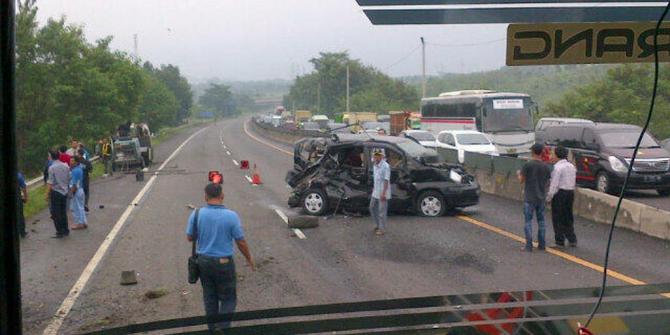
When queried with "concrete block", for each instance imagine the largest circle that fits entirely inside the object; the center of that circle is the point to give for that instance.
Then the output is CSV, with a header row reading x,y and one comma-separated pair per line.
x,y
599,207
655,222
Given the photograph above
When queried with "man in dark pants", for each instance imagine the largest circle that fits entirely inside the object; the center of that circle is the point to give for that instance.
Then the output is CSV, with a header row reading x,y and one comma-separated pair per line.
x,y
535,176
562,196
23,198
215,230
58,186
87,167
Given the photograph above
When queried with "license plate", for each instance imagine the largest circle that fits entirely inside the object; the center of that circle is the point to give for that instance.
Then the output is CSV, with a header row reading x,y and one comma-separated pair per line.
x,y
511,151
652,179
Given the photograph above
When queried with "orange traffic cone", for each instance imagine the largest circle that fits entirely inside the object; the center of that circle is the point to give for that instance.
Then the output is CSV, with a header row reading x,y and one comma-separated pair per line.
x,y
256,177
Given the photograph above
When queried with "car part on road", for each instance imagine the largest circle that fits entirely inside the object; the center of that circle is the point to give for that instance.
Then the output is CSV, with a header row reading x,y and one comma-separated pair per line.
x,y
303,222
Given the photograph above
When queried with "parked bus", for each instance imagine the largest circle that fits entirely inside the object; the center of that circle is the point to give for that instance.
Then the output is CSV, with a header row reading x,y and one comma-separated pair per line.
x,y
506,118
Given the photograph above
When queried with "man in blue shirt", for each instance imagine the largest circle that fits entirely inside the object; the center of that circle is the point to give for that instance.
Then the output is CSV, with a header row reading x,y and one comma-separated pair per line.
x,y
78,196
215,230
381,191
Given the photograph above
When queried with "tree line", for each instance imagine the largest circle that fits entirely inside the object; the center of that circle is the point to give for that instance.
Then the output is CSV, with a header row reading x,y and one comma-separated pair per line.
x,y
323,91
623,95
67,87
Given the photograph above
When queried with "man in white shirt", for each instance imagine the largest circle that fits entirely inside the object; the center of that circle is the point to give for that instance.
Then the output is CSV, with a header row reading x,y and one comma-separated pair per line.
x,y
562,195
381,191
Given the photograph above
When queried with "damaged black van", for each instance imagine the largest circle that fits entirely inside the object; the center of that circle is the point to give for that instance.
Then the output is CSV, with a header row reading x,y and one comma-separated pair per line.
x,y
335,173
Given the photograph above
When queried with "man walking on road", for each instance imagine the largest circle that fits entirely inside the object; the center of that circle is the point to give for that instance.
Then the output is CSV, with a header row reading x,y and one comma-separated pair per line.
x,y
214,231
77,192
562,196
535,176
58,186
106,155
87,167
381,192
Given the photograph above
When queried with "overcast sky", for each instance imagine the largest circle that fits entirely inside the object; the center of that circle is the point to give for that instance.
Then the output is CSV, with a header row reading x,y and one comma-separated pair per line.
x,y
267,39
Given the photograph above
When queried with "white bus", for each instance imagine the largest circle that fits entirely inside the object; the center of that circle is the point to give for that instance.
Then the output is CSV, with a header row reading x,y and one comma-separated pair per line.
x,y
506,118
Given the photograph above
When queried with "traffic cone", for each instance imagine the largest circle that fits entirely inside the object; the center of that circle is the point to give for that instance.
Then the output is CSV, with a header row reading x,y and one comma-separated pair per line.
x,y
244,165
256,177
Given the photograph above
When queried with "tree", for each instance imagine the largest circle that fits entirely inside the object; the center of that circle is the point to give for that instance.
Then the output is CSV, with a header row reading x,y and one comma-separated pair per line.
x,y
175,82
324,90
219,100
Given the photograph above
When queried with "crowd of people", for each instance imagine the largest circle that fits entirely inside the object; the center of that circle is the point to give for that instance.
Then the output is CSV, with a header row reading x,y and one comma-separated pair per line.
x,y
67,176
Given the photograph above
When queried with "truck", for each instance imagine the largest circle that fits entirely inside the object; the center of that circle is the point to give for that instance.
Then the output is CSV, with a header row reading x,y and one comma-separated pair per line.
x,y
132,150
302,116
322,120
399,122
358,118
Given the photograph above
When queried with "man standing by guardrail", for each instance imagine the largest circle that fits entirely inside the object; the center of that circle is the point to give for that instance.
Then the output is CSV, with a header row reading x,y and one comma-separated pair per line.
x,y
535,176
23,198
562,196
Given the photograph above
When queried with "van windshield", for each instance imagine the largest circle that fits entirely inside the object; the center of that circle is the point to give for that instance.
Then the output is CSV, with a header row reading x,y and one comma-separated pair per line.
x,y
473,139
626,139
421,136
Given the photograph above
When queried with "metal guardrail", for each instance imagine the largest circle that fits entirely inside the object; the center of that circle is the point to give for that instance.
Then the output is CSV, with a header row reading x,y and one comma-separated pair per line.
x,y
33,182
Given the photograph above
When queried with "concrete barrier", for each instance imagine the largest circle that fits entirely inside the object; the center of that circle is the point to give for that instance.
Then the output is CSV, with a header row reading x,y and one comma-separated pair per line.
x,y
497,175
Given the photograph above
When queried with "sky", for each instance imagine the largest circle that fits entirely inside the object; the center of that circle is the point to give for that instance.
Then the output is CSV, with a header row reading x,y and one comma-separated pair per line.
x,y
274,39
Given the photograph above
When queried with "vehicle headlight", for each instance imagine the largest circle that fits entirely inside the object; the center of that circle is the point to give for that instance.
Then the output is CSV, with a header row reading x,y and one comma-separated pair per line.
x,y
455,177
617,164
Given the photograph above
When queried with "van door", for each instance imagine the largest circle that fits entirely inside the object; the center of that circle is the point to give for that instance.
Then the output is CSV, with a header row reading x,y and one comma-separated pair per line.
x,y
586,157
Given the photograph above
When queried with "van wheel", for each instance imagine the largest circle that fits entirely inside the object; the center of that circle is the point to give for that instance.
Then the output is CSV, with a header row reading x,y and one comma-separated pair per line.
x,y
603,183
664,192
431,204
315,202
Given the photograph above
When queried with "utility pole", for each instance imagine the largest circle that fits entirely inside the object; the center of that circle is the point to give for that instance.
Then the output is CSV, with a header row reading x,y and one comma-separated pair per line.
x,y
318,98
423,67
135,49
347,88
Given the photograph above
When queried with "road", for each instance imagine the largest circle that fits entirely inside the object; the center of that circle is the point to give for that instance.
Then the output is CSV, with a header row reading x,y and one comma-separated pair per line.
x,y
340,261
650,198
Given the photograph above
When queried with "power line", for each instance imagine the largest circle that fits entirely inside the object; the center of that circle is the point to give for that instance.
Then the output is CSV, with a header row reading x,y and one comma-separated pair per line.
x,y
403,58
468,44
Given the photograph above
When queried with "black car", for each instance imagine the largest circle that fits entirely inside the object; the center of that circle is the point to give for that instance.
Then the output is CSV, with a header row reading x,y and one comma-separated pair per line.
x,y
335,173
602,153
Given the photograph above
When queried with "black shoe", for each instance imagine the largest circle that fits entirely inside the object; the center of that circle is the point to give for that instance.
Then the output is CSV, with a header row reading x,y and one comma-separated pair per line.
x,y
86,209
573,244
58,236
541,248
560,245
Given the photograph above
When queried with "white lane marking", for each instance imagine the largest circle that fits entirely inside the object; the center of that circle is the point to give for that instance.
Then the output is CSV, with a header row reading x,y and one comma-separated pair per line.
x,y
236,163
224,146
264,142
228,153
248,178
296,231
80,284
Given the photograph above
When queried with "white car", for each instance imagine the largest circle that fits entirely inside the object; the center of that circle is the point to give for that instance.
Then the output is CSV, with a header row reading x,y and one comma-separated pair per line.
x,y
424,138
466,140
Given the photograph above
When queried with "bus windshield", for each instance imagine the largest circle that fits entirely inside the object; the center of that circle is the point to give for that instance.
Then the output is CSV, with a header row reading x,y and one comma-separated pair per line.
x,y
502,115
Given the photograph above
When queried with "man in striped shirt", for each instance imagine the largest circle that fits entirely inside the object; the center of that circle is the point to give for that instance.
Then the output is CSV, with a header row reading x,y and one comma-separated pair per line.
x,y
562,195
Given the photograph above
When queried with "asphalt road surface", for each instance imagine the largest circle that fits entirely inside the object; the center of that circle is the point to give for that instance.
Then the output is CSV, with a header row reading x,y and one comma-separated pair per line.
x,y
340,261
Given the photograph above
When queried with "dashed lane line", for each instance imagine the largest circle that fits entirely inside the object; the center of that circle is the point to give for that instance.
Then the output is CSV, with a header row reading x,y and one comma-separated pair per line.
x,y
227,152
558,253
296,231
248,178
66,306
236,163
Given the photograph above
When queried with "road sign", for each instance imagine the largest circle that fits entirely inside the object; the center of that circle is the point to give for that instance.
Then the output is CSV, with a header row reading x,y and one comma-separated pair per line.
x,y
585,43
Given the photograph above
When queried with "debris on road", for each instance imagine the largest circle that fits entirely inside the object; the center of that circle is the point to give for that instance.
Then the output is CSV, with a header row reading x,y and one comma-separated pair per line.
x,y
189,206
101,206
303,221
155,294
128,277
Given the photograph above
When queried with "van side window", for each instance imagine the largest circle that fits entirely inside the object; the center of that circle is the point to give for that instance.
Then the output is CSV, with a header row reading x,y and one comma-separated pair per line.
x,y
571,137
589,138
